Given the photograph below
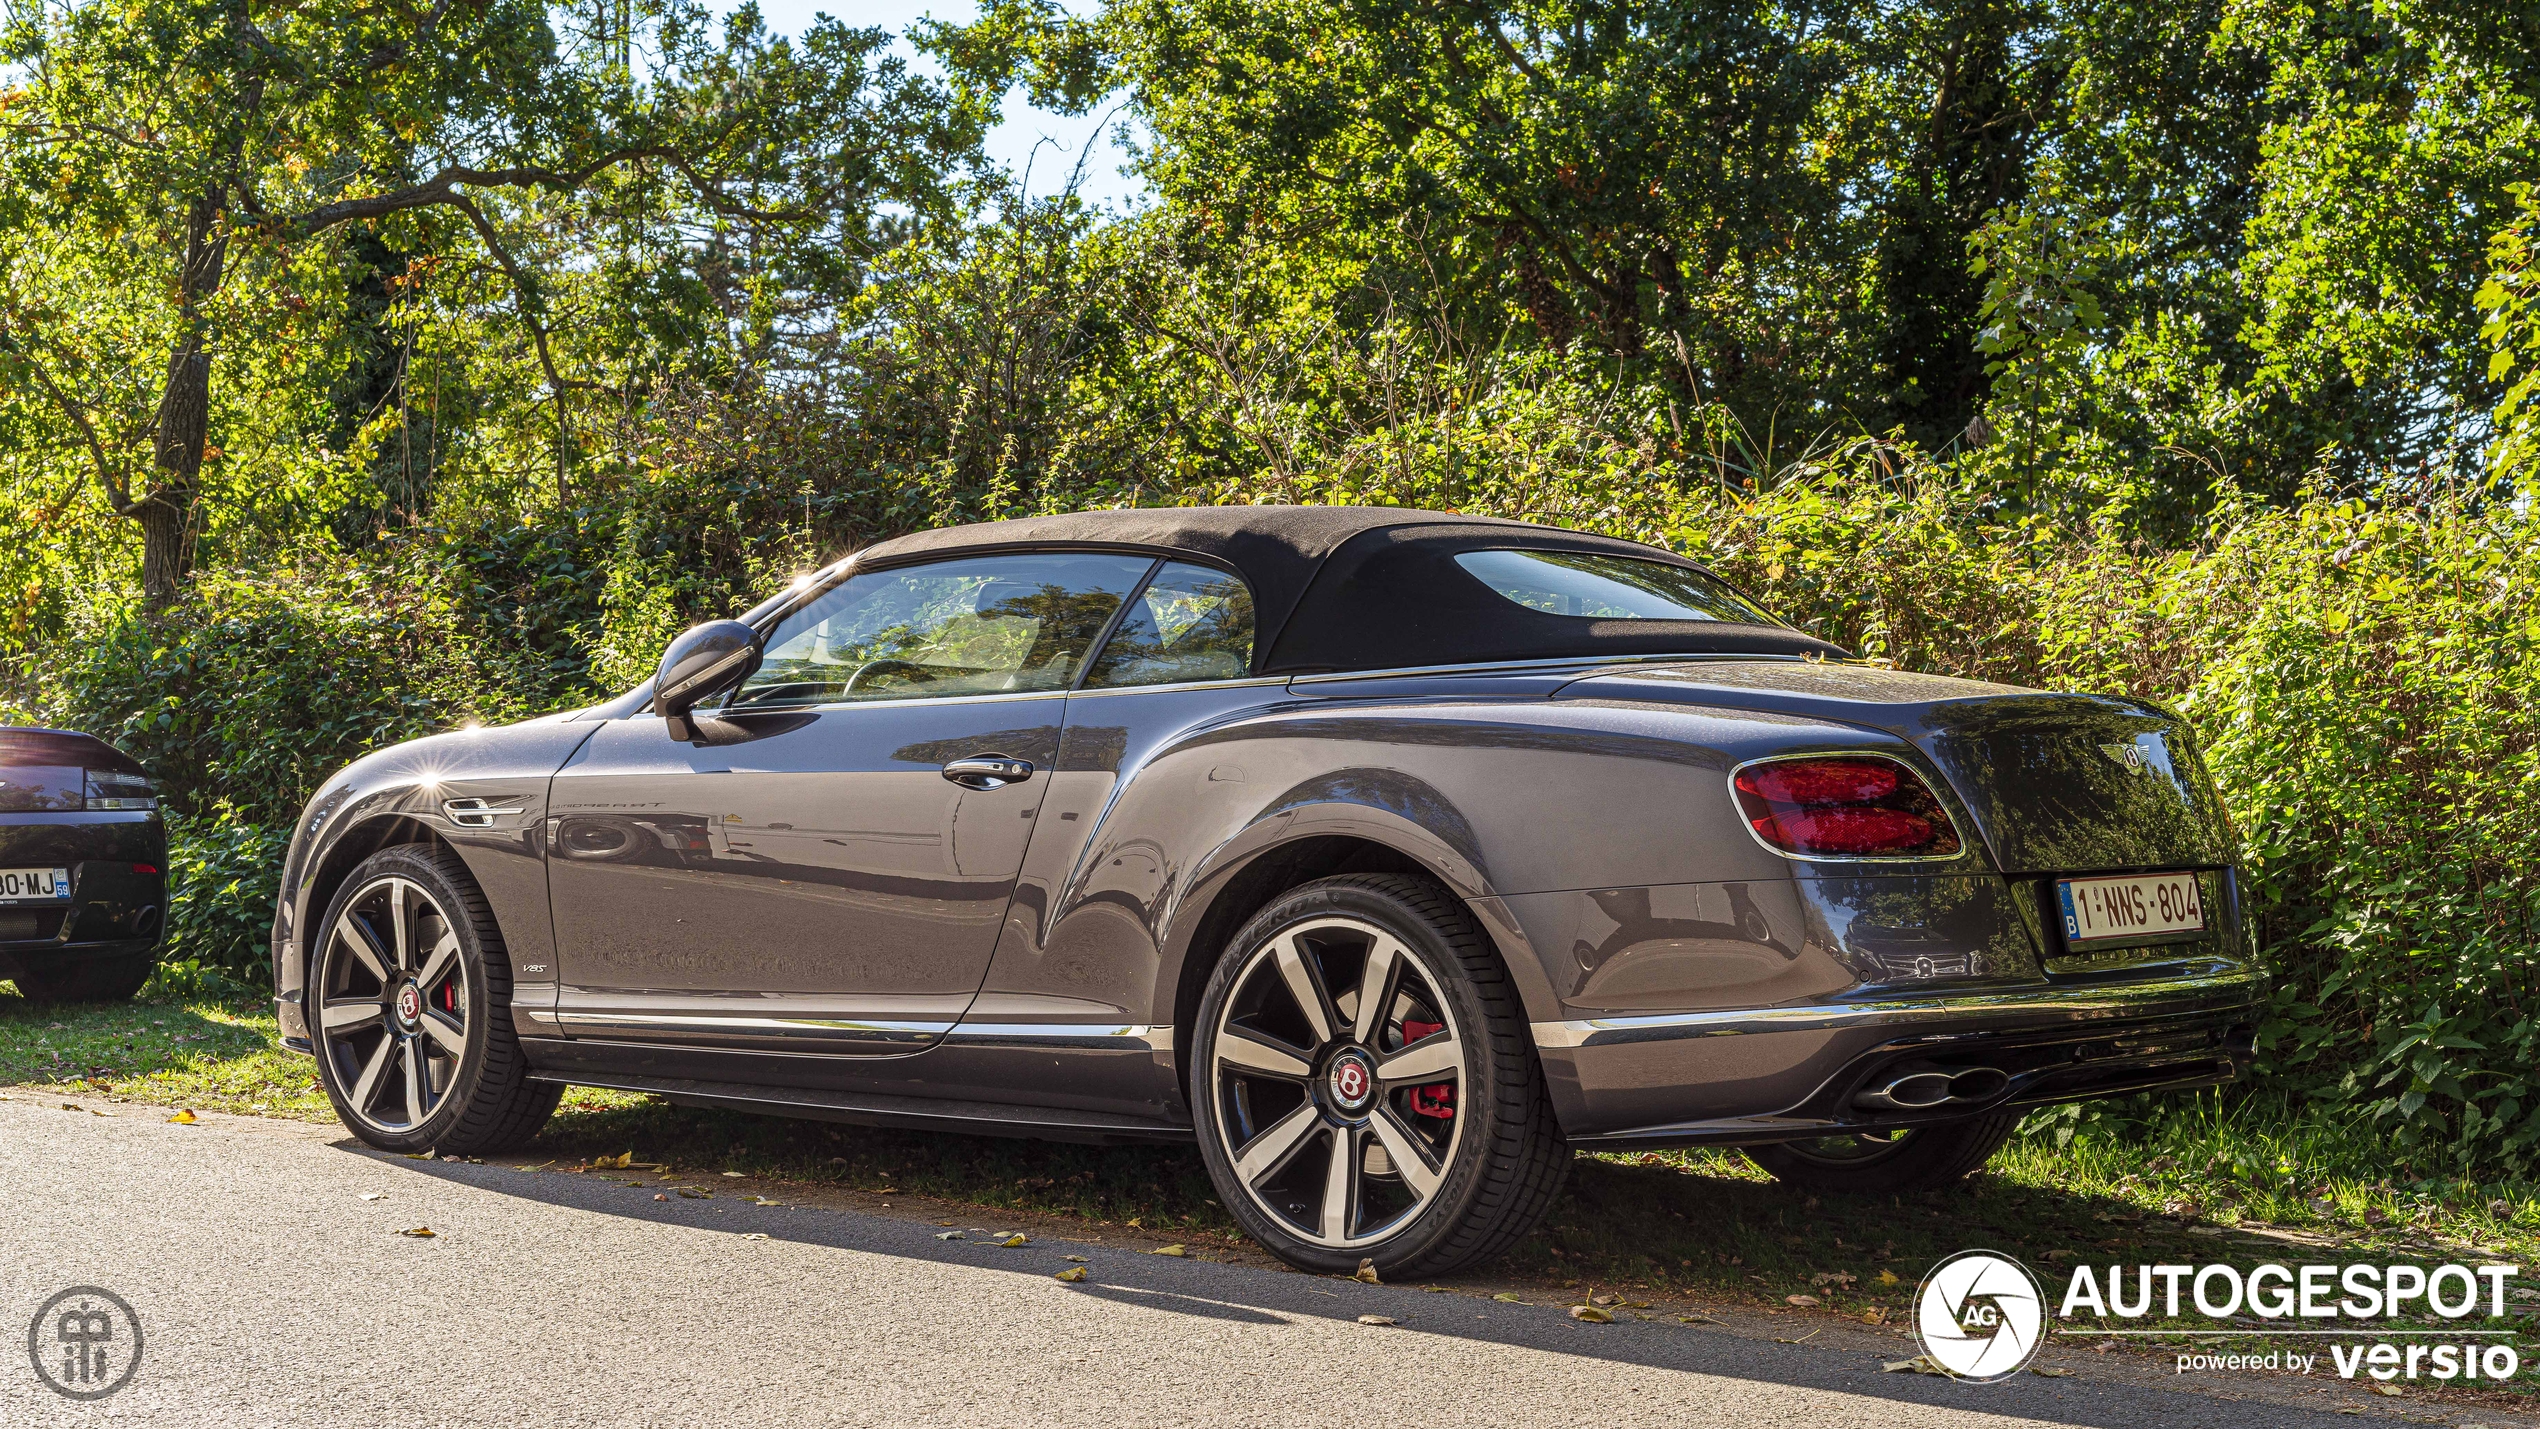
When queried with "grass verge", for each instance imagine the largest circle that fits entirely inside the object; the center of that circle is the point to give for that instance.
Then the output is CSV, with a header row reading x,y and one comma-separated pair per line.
x,y
2194,1180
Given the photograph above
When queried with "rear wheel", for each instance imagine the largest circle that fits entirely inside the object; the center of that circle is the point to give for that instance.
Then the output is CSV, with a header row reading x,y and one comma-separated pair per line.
x,y
1364,1085
1883,1163
409,1007
113,979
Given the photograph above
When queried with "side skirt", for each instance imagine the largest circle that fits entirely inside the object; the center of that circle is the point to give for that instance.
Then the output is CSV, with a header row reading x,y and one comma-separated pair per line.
x,y
876,1109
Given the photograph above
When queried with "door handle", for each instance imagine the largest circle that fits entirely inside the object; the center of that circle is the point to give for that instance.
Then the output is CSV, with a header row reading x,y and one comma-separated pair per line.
x,y
988,771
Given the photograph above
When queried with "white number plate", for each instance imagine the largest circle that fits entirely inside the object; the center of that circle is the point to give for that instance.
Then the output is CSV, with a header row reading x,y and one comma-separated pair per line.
x,y
2098,911
34,885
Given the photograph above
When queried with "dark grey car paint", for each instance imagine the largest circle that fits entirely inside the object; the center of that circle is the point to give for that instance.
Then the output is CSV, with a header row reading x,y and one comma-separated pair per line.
x,y
1685,983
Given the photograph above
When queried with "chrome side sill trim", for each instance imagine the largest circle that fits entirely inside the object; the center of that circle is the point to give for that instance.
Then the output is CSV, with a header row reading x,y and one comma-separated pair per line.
x,y
804,1029
2072,1002
1073,1036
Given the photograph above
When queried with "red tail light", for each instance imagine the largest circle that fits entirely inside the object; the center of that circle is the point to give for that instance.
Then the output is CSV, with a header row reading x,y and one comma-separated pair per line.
x,y
1844,806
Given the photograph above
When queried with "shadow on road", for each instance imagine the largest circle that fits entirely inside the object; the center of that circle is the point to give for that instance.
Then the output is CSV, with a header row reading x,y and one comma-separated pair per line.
x,y
1256,1295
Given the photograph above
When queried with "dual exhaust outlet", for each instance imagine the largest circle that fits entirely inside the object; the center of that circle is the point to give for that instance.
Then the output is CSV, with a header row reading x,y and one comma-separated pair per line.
x,y
1930,1088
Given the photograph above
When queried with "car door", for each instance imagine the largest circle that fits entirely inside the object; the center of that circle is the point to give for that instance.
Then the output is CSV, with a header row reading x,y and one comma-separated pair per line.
x,y
829,875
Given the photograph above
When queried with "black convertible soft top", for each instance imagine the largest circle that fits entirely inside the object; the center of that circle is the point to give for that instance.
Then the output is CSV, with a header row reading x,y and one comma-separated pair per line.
x,y
1339,588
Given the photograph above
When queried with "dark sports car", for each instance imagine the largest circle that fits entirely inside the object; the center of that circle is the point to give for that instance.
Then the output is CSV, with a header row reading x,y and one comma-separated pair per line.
x,y
83,859
1389,854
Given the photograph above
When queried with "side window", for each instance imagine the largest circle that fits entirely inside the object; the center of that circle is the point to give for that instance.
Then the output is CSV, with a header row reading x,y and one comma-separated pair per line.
x,y
986,625
1190,623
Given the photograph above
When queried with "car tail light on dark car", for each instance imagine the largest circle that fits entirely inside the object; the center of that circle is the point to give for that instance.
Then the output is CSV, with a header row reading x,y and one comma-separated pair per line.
x,y
108,790
1844,806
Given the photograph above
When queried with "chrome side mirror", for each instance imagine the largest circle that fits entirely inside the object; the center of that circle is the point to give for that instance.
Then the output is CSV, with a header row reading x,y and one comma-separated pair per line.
x,y
702,662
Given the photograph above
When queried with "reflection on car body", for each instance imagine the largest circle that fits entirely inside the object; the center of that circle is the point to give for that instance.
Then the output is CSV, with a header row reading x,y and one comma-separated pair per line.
x,y
1391,855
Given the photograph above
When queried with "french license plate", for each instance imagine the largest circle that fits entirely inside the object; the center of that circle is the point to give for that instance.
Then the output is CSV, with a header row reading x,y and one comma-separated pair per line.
x,y
34,885
2104,912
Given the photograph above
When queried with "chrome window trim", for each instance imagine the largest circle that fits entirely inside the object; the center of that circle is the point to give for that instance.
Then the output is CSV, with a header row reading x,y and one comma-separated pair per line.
x,y
2069,1001
1179,685
1966,846
1555,662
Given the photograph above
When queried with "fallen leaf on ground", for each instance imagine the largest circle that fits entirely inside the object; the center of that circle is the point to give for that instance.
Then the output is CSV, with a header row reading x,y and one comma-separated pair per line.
x,y
1696,1320
1072,1274
888,1191
372,1195
947,1235
755,1235
693,1194
1919,1364
1378,1320
763,1201
1591,1314
1803,1301
1509,1296
185,1118
1173,1250
423,1156
2049,1371
1135,1223
731,1173
1018,1238
620,1162
1798,1339
1080,1260
420,1232
661,1197
2394,1391
1366,1273
1887,1277
1602,1299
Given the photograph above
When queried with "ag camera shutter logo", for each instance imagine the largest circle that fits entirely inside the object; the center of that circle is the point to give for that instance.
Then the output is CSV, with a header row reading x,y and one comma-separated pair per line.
x,y
1981,1316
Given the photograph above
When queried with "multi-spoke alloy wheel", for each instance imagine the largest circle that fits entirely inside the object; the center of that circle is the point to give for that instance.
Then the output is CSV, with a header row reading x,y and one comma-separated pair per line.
x,y
392,1003
1362,1086
408,1007
1336,1069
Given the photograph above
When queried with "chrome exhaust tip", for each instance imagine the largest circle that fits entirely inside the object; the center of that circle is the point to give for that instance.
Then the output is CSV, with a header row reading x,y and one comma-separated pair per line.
x,y
1930,1088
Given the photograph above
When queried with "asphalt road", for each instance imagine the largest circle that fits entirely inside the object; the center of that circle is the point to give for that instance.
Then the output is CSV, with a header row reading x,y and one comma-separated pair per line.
x,y
271,1293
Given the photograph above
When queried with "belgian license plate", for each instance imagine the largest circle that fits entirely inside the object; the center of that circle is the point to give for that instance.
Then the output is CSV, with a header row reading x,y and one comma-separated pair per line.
x,y
34,885
2103,912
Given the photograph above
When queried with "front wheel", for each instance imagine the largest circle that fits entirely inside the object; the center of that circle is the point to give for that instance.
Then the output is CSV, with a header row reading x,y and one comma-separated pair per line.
x,y
1884,1163
408,1003
1364,1086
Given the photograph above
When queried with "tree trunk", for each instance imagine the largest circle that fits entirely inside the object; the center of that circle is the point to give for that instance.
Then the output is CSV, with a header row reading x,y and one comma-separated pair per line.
x,y
166,514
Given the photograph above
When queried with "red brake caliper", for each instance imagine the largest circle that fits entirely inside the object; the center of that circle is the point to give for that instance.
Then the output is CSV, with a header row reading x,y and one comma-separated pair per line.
x,y
1436,1100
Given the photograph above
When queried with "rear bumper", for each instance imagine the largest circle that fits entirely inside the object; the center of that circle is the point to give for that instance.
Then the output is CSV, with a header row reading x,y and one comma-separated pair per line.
x,y
1785,1073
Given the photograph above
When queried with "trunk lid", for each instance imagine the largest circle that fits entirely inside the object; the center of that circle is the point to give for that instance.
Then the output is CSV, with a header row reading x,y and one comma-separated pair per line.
x,y
2056,783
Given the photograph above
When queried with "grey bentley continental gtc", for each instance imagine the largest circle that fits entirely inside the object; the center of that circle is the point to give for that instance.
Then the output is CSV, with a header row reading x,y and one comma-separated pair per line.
x,y
1392,855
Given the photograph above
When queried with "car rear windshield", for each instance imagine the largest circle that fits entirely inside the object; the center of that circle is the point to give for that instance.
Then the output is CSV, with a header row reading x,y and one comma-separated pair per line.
x,y
1602,587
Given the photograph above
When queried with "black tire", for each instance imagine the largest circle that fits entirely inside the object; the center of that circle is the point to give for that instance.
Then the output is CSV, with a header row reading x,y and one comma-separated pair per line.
x,y
487,1102
112,979
1917,1160
1502,1160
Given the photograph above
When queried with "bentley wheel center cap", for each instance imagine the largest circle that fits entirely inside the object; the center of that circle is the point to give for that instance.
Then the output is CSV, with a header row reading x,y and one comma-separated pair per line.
x,y
410,1003
1353,1081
